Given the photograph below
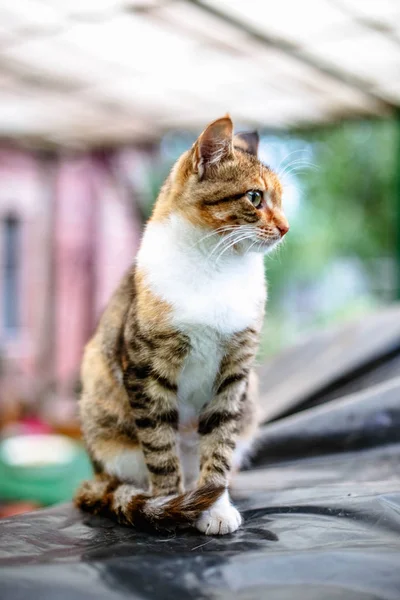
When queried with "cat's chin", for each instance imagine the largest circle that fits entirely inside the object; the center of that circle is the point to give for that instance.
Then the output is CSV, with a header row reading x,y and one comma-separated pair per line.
x,y
270,246
260,247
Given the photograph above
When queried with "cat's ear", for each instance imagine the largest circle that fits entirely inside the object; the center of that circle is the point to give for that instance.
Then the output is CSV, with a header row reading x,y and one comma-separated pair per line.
x,y
214,145
247,141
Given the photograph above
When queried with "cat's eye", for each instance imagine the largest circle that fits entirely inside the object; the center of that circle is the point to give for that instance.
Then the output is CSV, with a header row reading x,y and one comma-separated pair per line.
x,y
255,197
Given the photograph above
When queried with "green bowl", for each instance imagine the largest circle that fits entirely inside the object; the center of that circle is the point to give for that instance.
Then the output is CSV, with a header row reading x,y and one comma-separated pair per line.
x,y
45,469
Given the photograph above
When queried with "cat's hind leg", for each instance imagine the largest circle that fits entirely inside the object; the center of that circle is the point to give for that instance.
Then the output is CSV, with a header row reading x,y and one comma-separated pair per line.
x,y
121,490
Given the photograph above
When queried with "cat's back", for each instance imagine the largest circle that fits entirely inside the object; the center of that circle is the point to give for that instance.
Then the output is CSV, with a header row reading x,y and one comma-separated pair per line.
x,y
103,350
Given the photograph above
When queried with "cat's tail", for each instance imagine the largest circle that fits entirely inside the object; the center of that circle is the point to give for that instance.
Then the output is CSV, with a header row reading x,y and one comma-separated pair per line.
x,y
128,505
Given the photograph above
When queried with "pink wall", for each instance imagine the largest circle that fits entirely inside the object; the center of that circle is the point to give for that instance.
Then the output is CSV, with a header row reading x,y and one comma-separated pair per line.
x,y
21,196
74,238
118,233
79,235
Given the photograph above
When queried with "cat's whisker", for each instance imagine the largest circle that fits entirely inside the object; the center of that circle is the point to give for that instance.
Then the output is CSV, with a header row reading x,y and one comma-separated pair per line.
x,y
234,242
290,154
309,166
287,176
231,241
225,242
299,159
299,162
251,246
238,232
259,246
239,229
283,179
231,230
297,165
215,232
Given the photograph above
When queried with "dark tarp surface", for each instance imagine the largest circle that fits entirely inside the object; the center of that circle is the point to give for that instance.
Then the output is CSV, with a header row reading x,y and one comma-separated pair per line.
x,y
321,509
331,531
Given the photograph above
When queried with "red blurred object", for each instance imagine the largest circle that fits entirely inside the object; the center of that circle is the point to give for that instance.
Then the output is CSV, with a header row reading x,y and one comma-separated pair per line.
x,y
30,425
26,426
17,508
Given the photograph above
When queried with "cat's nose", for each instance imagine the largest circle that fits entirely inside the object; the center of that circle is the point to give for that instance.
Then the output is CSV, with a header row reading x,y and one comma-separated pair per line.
x,y
283,227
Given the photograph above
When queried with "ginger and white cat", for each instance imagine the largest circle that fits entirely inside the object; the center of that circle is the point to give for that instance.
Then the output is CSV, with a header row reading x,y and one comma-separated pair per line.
x,y
169,396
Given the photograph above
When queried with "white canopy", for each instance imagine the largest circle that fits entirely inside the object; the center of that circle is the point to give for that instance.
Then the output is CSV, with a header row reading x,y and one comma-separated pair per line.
x,y
92,72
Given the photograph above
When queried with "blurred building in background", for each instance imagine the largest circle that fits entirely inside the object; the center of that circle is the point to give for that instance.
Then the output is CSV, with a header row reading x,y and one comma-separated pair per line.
x,y
68,232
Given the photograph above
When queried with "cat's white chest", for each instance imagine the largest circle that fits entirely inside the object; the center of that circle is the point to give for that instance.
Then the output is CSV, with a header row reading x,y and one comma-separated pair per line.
x,y
225,294
227,301
210,299
195,389
196,381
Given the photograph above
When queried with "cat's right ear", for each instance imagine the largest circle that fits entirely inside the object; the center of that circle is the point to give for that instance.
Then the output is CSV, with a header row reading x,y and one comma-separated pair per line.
x,y
247,141
213,146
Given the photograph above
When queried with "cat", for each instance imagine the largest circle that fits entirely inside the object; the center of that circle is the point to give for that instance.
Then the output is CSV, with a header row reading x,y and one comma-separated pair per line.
x,y
169,398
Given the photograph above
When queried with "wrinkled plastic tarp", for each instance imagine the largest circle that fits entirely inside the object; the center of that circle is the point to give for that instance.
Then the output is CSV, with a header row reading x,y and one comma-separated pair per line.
x,y
328,528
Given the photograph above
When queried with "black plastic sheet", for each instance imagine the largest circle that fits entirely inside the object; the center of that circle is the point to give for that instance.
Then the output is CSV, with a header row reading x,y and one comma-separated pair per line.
x,y
331,531
363,419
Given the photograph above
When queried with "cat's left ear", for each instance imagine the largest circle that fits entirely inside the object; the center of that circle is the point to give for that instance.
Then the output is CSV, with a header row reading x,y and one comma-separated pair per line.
x,y
214,145
247,141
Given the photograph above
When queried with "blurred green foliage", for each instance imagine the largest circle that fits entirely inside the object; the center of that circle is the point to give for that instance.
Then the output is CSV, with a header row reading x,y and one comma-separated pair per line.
x,y
347,209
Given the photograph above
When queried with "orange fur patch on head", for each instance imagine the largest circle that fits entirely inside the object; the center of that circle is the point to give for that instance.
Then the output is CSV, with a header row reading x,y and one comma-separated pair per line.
x,y
210,184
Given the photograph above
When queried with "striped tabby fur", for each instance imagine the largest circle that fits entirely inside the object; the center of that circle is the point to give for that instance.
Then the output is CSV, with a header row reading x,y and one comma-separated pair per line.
x,y
169,396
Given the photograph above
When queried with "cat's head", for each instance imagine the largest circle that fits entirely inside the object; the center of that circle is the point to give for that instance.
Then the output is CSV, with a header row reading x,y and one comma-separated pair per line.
x,y
221,187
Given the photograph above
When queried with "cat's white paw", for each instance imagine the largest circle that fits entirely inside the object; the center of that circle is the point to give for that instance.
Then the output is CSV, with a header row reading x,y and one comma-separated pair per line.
x,y
220,519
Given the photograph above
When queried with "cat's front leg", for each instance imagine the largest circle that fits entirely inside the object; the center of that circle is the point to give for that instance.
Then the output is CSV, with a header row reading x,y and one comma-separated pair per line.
x,y
219,427
154,403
